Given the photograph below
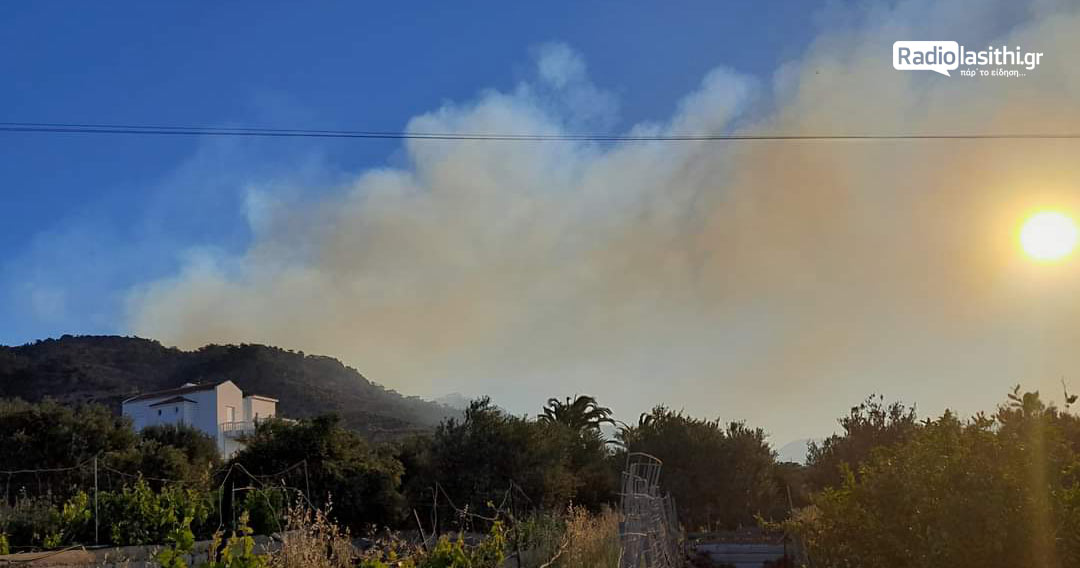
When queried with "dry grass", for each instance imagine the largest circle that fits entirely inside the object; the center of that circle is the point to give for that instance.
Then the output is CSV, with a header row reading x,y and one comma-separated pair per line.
x,y
588,541
312,540
593,540
576,539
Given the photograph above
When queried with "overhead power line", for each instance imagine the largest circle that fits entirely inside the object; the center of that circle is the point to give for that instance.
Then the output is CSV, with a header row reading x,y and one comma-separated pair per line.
x,y
68,128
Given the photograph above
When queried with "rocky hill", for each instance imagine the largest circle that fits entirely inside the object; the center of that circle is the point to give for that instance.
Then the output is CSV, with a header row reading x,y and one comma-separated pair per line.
x,y
108,369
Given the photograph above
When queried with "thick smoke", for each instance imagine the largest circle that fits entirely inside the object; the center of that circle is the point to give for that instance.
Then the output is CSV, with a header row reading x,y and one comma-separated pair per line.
x,y
778,282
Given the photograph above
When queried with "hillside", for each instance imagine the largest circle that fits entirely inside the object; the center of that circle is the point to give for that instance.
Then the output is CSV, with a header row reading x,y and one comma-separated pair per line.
x,y
108,369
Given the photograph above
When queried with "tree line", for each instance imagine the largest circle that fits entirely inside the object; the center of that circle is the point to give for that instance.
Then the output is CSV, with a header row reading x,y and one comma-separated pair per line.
x,y
724,473
889,489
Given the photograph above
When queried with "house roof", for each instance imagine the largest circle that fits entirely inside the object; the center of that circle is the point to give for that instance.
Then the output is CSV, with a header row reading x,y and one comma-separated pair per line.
x,y
261,397
173,400
176,392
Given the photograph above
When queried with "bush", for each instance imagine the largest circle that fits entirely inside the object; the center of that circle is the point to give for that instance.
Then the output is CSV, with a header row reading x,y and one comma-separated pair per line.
x,y
48,435
447,552
239,549
30,520
364,481
720,475
138,515
493,457
869,425
266,509
989,491
169,452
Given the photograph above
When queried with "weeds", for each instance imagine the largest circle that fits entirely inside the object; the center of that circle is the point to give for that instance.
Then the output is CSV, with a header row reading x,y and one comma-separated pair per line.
x,y
312,540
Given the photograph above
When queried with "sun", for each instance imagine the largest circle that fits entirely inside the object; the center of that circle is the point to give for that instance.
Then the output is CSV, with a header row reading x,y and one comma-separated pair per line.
x,y
1049,236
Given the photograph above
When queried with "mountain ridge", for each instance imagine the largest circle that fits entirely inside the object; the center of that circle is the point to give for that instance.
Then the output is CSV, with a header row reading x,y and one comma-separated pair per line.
x,y
107,369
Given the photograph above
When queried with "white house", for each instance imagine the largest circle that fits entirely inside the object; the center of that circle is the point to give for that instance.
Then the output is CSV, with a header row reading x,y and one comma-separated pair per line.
x,y
220,409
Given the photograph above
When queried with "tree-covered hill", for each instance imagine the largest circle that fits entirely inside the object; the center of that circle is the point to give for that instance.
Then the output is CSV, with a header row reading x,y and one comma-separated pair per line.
x,y
107,369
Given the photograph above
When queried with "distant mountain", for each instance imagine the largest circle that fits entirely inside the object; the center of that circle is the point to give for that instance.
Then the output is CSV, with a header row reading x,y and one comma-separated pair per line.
x,y
108,369
454,400
795,451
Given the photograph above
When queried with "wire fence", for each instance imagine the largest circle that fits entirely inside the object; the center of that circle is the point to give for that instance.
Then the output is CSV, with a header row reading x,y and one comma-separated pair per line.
x,y
228,485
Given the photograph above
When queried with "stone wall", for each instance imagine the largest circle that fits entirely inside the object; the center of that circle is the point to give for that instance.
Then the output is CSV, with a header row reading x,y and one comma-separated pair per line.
x,y
116,557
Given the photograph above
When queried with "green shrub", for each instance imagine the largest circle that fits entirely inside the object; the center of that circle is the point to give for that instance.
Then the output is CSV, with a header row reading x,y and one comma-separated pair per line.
x,y
266,509
30,520
365,481
1001,490
75,518
138,515
239,550
179,542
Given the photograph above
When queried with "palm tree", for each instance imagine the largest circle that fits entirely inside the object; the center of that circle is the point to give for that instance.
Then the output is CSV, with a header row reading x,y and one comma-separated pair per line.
x,y
580,413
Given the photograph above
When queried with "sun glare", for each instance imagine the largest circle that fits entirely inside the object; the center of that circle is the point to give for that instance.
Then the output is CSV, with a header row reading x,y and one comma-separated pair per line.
x,y
1049,236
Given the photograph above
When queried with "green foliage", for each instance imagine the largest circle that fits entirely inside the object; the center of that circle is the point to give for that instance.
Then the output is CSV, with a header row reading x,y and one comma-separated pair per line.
x,y
33,520
45,522
109,369
720,475
138,515
869,425
991,491
581,413
239,549
448,552
174,452
74,520
491,551
539,533
5,547
178,544
48,435
265,509
364,481
493,457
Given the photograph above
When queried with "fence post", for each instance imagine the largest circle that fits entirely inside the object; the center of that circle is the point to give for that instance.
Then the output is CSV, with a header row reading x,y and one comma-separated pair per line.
x,y
307,486
95,503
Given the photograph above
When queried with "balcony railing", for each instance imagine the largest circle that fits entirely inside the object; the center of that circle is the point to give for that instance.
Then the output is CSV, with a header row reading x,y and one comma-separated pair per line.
x,y
238,428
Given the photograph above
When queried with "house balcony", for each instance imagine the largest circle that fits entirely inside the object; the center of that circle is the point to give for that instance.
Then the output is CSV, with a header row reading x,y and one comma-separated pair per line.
x,y
238,428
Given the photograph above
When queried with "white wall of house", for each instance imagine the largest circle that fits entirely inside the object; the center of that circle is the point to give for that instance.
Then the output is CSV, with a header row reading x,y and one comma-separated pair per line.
x,y
259,407
222,412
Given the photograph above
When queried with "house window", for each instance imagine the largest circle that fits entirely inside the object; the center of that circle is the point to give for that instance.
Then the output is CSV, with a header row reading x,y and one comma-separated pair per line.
x,y
230,414
176,409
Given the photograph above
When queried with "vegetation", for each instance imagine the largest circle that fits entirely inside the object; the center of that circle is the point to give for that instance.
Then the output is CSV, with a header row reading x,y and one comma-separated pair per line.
x,y
581,413
1000,490
364,481
492,457
721,475
869,425
888,490
108,369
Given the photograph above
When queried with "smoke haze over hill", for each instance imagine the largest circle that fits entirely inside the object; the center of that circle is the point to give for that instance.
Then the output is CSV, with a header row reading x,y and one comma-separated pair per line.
x,y
775,282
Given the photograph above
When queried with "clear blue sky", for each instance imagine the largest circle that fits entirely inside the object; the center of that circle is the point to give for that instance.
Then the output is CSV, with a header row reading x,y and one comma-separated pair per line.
x,y
351,65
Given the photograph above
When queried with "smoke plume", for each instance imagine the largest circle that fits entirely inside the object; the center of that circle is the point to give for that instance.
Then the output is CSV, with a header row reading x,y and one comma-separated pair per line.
x,y
778,282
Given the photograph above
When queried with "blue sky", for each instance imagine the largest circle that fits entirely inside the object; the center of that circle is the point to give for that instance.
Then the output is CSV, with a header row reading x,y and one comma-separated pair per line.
x,y
801,277
280,64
